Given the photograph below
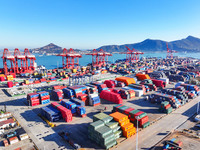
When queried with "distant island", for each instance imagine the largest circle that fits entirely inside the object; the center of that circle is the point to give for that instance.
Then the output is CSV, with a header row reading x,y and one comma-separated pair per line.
x,y
189,44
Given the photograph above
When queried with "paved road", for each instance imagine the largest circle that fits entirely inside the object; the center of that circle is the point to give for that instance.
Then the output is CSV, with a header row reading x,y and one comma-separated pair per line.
x,y
42,135
154,133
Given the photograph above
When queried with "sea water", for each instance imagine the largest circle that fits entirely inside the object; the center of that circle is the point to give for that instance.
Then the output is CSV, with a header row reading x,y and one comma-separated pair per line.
x,y
51,62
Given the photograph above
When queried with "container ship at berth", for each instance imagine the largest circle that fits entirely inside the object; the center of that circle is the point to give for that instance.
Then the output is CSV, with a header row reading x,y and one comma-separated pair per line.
x,y
132,103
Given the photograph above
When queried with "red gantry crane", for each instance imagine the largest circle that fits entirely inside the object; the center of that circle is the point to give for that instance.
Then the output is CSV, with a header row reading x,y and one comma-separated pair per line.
x,y
19,59
99,58
29,58
7,57
170,52
132,56
70,59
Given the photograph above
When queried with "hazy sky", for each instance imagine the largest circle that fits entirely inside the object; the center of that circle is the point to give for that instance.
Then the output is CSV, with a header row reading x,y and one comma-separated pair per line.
x,y
87,24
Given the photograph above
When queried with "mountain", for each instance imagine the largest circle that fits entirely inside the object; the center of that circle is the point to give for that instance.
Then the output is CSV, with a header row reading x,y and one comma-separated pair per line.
x,y
190,43
50,48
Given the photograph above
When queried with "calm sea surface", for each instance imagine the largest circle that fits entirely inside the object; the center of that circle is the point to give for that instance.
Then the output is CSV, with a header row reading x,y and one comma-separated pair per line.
x,y
51,62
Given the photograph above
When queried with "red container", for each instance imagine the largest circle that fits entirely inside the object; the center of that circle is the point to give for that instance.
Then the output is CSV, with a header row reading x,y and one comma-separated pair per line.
x,y
2,78
66,113
143,120
167,106
109,83
111,96
13,74
139,113
159,83
128,110
10,84
56,87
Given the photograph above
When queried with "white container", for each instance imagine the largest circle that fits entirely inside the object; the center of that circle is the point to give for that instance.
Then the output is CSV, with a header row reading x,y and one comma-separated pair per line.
x,y
93,95
13,140
178,84
165,80
23,136
3,119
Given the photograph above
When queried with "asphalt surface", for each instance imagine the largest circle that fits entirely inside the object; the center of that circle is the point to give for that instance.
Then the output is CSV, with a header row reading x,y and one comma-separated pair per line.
x,y
160,129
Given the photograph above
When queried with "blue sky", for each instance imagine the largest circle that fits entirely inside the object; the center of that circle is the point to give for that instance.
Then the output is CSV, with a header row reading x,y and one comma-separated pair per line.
x,y
87,24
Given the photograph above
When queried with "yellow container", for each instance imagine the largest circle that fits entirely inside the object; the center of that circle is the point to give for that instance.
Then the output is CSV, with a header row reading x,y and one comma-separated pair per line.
x,y
26,81
2,75
74,70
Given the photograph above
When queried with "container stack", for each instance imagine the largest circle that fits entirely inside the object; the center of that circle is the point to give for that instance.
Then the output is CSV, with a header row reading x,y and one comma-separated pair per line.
x,y
33,99
190,87
110,83
43,80
84,98
51,113
9,77
66,113
81,111
2,77
68,93
132,114
69,105
10,84
104,124
100,86
44,97
165,107
94,100
126,80
111,96
128,128
101,134
138,87
77,102
159,97
57,95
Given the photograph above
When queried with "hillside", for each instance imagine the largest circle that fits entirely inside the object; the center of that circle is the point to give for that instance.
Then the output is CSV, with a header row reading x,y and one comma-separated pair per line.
x,y
50,48
190,44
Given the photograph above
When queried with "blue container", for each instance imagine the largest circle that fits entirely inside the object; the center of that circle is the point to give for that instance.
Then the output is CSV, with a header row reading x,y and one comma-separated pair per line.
x,y
77,101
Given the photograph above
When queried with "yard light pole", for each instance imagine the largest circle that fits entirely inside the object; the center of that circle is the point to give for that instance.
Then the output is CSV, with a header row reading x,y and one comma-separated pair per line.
x,y
137,118
197,107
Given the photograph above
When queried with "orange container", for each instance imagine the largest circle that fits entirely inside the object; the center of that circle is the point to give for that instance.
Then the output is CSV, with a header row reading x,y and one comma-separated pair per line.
x,y
126,80
119,117
142,76
127,126
129,132
125,122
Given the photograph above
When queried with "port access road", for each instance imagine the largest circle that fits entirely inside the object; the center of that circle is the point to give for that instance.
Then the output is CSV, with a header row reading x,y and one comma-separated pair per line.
x,y
157,131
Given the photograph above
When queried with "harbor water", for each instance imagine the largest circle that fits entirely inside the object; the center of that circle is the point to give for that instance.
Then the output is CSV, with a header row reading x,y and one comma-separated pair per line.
x,y
51,62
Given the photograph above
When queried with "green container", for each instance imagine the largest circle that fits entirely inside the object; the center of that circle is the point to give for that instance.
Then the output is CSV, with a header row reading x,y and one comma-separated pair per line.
x,y
118,134
100,116
142,115
133,112
121,109
165,103
95,125
110,137
146,124
116,128
103,131
114,107
169,110
112,124
110,144
107,119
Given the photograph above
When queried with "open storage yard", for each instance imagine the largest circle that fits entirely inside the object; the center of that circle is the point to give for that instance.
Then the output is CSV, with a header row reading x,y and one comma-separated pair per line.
x,y
58,115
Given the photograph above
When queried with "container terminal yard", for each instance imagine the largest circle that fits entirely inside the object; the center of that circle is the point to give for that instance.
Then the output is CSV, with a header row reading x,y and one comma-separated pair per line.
x,y
134,103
